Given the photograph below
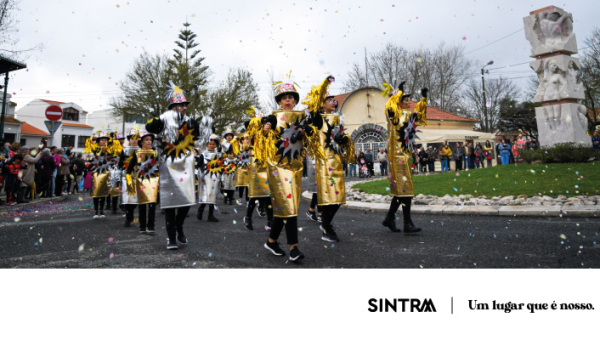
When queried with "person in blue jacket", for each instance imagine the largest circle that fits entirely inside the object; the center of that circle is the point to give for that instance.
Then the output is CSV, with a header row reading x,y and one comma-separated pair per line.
x,y
504,152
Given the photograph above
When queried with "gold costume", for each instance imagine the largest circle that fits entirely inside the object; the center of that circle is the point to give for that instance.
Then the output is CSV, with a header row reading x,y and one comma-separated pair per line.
x,y
258,185
331,188
285,178
146,176
242,176
103,159
400,145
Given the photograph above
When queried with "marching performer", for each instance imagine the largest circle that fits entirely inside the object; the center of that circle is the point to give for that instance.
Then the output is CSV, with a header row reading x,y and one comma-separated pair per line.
x,y
143,180
262,138
176,134
402,124
104,152
336,147
284,164
208,179
228,177
114,184
242,177
129,148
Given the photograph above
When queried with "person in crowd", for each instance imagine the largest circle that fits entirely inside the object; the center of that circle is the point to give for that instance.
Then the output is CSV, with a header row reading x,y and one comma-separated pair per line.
x,y
510,144
352,167
242,177
489,152
400,144
369,161
423,160
360,160
62,173
176,133
459,153
596,140
77,168
30,158
46,169
479,156
54,151
12,180
382,157
504,152
431,153
445,154
468,153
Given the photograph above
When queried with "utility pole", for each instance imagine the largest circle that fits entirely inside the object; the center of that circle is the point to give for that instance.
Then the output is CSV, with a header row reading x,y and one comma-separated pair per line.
x,y
485,113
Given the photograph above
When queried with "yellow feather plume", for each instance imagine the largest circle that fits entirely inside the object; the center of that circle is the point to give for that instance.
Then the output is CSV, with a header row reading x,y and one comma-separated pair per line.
x,y
235,146
349,154
115,147
421,111
387,89
90,146
316,97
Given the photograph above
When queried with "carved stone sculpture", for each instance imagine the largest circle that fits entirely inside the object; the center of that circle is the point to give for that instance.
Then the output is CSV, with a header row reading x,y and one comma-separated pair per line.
x,y
550,31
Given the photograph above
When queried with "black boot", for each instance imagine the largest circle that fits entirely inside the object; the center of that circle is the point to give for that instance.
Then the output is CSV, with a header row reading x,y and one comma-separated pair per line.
x,y
127,223
248,223
211,211
181,239
200,211
409,226
391,216
172,233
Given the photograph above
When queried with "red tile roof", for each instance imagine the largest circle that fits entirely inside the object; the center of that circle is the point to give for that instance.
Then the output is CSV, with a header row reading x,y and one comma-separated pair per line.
x,y
432,112
27,129
77,125
11,120
53,102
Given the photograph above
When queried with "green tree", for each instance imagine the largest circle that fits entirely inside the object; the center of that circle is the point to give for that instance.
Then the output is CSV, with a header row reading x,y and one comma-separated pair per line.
x,y
229,101
189,72
589,75
518,117
144,89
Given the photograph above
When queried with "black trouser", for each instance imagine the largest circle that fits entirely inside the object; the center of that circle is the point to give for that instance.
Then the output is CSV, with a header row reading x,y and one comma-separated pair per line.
x,y
68,183
211,209
327,214
291,229
59,184
129,209
313,201
243,190
99,201
396,202
113,200
147,220
262,201
175,218
459,163
228,194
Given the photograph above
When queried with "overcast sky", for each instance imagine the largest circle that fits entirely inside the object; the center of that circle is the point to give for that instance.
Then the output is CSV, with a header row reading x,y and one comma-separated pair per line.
x,y
90,45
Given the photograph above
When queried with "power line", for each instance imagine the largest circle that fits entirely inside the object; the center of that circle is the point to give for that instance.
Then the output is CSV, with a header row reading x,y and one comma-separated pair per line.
x,y
477,49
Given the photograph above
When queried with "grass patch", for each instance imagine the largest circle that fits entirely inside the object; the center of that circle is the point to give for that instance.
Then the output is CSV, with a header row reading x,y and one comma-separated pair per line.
x,y
572,179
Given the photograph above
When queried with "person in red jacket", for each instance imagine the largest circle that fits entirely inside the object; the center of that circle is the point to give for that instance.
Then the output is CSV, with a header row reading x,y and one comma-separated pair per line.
x,y
13,181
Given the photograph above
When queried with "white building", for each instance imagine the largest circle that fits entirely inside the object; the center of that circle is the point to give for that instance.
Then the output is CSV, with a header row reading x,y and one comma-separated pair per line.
x,y
12,126
104,120
73,131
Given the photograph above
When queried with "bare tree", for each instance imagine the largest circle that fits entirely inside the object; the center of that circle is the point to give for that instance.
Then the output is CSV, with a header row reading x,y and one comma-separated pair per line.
x,y
589,75
442,70
9,31
270,104
496,90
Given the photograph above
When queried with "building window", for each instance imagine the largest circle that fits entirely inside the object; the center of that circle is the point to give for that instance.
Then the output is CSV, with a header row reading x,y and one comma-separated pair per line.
x,y
70,114
23,141
81,141
68,140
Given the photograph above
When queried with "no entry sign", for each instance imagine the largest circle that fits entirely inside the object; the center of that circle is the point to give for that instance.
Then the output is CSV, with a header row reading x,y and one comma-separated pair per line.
x,y
54,113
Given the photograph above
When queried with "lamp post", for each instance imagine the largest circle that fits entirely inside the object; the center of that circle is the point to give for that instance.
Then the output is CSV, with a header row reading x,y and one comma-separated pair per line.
x,y
485,113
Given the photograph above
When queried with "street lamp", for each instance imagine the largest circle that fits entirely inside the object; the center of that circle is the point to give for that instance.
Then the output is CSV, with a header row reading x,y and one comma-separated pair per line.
x,y
487,126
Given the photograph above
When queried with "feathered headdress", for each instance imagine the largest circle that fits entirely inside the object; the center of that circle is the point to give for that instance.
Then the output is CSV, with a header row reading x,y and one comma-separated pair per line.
x,y
317,95
175,96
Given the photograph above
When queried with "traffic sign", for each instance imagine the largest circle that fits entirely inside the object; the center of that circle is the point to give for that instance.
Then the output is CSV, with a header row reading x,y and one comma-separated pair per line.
x,y
54,113
52,126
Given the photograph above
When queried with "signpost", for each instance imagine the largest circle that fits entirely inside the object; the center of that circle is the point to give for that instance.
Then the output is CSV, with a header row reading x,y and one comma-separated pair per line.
x,y
54,113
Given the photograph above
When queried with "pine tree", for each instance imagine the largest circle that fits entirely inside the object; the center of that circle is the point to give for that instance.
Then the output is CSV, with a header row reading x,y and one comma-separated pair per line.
x,y
190,74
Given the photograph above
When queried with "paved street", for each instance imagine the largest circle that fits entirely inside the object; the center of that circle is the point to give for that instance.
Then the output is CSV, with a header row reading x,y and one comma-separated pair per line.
x,y
64,235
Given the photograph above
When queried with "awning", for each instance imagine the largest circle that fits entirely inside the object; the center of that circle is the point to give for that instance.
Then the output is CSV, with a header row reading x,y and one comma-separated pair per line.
x,y
439,136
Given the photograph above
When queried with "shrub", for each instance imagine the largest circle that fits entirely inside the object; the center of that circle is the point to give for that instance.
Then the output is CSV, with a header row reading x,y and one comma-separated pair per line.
x,y
560,153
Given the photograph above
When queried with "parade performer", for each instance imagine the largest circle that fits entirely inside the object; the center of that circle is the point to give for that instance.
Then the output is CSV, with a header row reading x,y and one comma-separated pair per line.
x,y
284,163
402,124
115,171
176,134
143,181
129,202
229,144
208,179
260,134
336,146
104,152
228,177
242,178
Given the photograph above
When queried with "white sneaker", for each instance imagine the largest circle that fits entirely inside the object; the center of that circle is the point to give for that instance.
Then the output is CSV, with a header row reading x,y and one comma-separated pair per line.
x,y
102,216
96,216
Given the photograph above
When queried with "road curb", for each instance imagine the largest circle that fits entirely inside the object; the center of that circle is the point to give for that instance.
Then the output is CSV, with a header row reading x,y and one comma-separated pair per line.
x,y
481,210
39,202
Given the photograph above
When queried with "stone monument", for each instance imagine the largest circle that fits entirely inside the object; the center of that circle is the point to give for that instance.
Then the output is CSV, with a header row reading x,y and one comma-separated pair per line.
x,y
560,119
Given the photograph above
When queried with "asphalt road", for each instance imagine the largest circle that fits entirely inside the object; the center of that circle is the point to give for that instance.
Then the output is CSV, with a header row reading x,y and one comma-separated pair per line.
x,y
65,236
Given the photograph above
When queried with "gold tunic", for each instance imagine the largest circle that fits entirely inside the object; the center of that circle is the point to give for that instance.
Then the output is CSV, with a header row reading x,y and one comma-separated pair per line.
x,y
331,188
286,180
100,185
242,177
146,184
259,183
401,184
